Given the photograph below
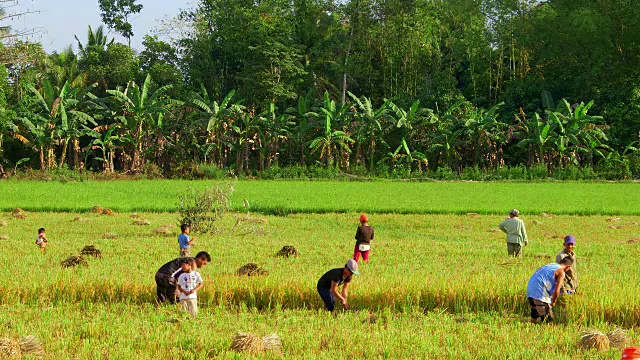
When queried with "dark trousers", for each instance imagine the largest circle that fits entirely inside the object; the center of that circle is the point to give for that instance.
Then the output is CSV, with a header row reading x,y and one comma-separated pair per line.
x,y
165,291
328,298
540,310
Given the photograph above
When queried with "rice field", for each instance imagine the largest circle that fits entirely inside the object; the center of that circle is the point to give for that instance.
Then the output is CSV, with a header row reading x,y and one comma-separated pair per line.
x,y
438,286
285,197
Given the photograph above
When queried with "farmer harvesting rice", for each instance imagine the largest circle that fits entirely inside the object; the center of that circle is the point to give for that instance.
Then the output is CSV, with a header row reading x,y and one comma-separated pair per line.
x,y
513,226
570,285
364,235
329,282
165,284
544,288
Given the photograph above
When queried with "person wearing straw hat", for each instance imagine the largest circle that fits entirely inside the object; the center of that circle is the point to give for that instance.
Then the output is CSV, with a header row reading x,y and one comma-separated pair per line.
x,y
516,232
543,289
570,285
331,280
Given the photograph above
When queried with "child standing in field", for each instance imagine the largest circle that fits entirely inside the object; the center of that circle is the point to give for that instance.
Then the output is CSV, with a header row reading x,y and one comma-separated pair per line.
x,y
364,235
185,241
41,240
189,282
570,285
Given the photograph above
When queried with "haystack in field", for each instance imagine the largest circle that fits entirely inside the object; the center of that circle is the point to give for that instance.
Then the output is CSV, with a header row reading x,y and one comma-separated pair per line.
x,y
18,213
80,219
288,251
141,222
594,339
4,237
134,216
163,230
31,345
616,226
253,344
536,222
97,209
3,223
9,349
547,215
91,250
251,269
618,338
612,219
107,211
110,236
74,260
472,214
633,240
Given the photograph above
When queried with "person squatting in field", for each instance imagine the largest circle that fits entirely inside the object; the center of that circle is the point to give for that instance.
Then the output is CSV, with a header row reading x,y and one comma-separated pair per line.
x,y
332,279
514,227
544,287
364,235
570,285
188,284
166,284
41,240
185,241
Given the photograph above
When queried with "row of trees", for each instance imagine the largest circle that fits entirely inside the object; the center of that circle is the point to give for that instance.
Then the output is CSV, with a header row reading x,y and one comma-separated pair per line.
x,y
250,85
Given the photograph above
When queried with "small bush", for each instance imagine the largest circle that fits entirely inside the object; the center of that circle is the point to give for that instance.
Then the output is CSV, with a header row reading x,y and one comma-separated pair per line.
x,y
201,208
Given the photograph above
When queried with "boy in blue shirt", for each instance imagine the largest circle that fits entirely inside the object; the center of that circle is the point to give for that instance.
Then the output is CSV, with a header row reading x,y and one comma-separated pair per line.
x,y
185,241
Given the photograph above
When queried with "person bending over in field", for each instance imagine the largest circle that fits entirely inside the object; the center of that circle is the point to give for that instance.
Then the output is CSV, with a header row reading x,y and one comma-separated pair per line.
x,y
544,288
332,279
189,282
570,285
513,226
364,235
185,241
41,240
166,285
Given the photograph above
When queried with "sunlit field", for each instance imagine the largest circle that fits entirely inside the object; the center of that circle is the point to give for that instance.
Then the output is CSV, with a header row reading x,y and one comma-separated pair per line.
x,y
439,286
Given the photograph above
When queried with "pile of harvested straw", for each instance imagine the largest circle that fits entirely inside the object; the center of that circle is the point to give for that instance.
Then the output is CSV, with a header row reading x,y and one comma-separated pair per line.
x,y
472,214
80,219
91,250
594,339
19,213
618,338
3,223
253,344
547,215
107,211
97,209
288,251
163,230
4,237
110,236
141,222
74,260
134,216
251,269
27,345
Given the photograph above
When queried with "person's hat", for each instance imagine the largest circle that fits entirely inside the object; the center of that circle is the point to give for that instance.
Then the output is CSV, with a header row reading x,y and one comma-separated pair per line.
x,y
364,218
514,212
352,265
631,353
569,239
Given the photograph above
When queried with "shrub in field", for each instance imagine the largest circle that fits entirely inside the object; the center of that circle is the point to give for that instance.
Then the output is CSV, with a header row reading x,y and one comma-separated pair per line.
x,y
201,208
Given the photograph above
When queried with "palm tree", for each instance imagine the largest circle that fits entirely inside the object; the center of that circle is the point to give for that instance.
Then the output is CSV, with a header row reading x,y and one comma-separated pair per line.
x,y
331,140
140,111
97,39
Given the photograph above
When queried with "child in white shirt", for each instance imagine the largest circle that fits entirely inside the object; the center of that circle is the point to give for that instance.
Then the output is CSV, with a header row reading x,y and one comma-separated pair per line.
x,y
189,282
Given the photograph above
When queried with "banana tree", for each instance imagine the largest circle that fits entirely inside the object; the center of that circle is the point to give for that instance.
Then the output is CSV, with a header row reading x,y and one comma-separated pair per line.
x,y
536,134
140,113
271,130
303,117
368,124
331,140
106,143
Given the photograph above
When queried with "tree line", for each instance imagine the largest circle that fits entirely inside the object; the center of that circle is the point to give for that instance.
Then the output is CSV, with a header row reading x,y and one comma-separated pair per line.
x,y
397,85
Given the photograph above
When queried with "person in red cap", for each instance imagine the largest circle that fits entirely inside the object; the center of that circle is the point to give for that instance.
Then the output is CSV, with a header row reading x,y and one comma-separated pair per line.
x,y
570,285
364,235
631,353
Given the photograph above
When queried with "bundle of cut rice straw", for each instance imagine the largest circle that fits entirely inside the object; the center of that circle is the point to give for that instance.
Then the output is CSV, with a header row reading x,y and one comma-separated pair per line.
x,y
594,339
27,345
253,344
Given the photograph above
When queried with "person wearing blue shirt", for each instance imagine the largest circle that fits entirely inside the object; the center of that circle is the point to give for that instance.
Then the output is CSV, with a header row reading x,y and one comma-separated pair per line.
x,y
185,241
544,287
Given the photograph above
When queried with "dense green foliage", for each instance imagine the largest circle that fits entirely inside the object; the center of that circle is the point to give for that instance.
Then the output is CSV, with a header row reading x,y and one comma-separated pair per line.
x,y
364,86
285,197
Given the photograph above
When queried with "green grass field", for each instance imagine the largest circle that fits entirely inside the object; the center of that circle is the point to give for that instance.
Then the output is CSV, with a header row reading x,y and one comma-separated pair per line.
x,y
284,197
440,285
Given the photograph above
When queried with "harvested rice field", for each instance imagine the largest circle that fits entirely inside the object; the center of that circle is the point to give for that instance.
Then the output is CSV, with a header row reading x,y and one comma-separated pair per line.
x,y
438,286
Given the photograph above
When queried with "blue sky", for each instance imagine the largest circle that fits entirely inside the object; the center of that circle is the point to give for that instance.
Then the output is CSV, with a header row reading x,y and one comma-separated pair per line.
x,y
60,20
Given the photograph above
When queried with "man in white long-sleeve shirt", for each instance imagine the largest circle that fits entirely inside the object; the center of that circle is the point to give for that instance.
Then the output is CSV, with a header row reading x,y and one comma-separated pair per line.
x,y
516,233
